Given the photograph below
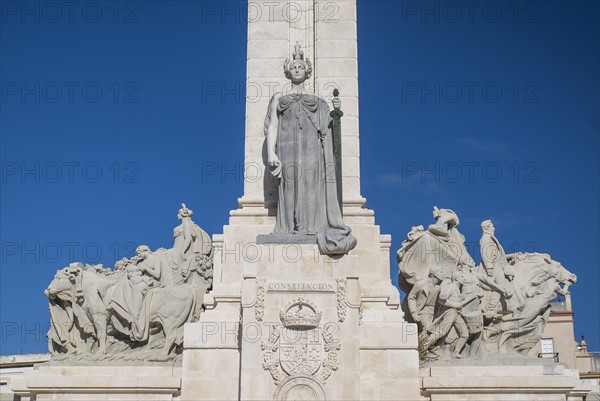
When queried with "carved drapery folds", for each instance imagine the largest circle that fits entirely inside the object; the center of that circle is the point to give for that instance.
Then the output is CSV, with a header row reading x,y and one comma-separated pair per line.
x,y
300,154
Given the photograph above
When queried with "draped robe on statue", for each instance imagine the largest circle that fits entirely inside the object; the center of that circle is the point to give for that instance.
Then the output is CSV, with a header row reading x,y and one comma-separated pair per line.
x,y
131,296
308,202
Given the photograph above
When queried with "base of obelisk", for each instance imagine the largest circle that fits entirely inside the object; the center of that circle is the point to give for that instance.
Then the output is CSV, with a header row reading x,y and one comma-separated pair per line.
x,y
305,330
518,379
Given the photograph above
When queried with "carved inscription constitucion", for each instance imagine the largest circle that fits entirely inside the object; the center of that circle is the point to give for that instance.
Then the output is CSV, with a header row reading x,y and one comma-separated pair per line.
x,y
295,286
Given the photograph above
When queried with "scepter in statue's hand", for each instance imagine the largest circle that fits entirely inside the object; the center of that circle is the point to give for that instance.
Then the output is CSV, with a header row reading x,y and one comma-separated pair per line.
x,y
336,116
337,103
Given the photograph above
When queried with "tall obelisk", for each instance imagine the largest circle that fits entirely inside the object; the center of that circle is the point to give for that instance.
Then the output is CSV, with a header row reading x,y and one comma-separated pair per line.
x,y
326,30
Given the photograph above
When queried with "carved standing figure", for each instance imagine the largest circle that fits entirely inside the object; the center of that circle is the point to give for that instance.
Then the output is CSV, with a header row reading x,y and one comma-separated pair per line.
x,y
451,303
422,299
191,254
300,154
495,265
471,312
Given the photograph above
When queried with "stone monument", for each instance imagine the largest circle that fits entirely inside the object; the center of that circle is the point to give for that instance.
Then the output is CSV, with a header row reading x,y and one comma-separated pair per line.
x,y
302,301
294,299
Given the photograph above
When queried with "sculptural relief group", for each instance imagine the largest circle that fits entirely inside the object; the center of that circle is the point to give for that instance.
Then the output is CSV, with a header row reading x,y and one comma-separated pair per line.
x,y
140,306
496,308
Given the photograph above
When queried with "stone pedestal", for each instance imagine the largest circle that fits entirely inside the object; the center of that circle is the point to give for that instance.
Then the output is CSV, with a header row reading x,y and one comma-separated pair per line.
x,y
301,324
95,382
300,314
522,379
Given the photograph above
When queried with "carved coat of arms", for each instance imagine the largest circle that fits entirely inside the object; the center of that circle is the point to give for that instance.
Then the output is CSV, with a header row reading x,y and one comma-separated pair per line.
x,y
300,352
300,346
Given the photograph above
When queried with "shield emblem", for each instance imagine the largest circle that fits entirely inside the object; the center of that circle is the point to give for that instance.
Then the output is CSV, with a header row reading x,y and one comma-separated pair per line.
x,y
300,351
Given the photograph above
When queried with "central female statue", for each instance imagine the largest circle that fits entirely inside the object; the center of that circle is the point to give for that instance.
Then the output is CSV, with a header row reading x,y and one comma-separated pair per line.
x,y
300,154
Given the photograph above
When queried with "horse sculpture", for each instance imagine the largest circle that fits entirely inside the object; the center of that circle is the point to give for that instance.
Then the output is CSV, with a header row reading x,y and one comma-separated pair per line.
x,y
79,298
537,281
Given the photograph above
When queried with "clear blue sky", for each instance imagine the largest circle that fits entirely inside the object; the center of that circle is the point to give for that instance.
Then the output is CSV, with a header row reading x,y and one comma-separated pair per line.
x,y
110,120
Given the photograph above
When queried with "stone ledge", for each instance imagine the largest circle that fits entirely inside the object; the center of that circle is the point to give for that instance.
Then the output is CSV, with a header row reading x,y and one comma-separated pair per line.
x,y
498,384
88,383
285,239
520,367
106,383
521,382
22,360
